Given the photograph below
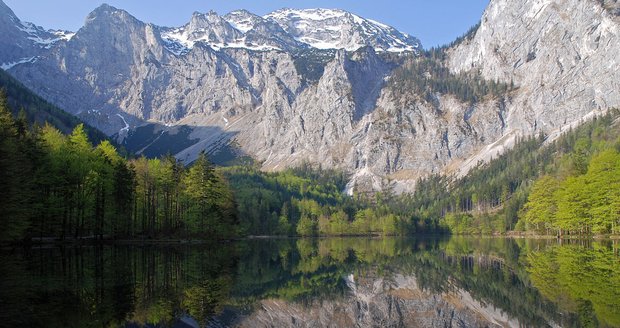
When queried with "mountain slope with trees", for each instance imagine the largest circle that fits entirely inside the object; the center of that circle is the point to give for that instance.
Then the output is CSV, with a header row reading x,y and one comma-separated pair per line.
x,y
382,116
568,186
38,110
62,187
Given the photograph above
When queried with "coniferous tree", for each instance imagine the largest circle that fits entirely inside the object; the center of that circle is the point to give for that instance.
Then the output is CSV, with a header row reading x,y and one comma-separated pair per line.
x,y
15,183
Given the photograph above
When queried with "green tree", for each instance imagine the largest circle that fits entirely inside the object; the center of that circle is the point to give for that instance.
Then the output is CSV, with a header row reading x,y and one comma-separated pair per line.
x,y
604,191
540,209
55,184
199,183
340,223
15,177
573,206
307,226
81,177
580,155
124,189
210,201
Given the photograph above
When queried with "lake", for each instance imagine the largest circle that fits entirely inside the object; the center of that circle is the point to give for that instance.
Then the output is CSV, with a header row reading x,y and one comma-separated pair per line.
x,y
335,282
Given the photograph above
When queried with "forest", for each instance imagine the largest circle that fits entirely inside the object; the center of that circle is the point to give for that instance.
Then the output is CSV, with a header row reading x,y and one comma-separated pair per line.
x,y
566,187
308,201
61,186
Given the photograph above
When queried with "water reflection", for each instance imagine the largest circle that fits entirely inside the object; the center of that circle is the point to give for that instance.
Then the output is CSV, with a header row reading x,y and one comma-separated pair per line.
x,y
315,282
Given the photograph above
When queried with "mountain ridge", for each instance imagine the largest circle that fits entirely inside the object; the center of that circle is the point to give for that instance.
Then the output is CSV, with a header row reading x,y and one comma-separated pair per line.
x,y
341,109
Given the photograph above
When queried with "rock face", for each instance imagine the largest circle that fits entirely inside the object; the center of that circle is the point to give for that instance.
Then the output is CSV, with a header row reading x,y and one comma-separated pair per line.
x,y
22,42
563,55
380,302
328,29
286,88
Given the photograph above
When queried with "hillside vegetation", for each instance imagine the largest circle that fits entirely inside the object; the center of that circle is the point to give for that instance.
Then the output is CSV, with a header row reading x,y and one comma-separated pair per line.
x,y
569,186
36,110
61,186
308,201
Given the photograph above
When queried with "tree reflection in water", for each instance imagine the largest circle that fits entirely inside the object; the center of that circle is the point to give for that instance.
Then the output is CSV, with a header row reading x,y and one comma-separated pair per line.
x,y
529,282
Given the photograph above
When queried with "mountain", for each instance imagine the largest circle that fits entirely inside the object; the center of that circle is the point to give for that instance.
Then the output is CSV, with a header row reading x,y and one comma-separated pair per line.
x,y
238,29
396,301
338,29
286,89
40,111
288,30
21,42
562,54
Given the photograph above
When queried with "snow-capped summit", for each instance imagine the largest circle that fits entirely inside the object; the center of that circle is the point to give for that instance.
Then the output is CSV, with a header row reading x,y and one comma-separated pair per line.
x,y
212,28
23,42
243,20
287,29
339,29
258,30
217,32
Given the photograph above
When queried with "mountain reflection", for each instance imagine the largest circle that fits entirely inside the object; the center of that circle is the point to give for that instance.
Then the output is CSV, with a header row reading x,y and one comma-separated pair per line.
x,y
336,282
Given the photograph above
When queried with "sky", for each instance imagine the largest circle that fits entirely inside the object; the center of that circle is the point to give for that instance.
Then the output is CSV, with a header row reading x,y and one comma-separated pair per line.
x,y
434,22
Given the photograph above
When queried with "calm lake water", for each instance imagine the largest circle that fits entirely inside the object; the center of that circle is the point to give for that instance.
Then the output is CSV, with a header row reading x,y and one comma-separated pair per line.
x,y
417,282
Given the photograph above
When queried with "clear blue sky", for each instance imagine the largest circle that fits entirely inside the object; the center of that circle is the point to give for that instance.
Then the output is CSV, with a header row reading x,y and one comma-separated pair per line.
x,y
434,22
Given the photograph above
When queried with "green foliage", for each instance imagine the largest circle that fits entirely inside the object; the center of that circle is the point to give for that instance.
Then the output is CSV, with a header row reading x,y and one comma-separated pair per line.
x,y
541,211
583,194
16,188
569,186
309,201
172,200
581,204
61,187
585,280
307,226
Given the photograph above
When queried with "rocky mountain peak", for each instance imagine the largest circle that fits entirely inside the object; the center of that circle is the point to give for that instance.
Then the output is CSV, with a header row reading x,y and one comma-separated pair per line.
x,y
339,29
308,85
288,29
243,20
4,9
104,8
210,28
107,14
23,42
8,19
203,20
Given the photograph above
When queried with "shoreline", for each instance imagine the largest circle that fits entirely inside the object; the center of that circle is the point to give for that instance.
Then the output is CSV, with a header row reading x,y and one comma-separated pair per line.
x,y
48,242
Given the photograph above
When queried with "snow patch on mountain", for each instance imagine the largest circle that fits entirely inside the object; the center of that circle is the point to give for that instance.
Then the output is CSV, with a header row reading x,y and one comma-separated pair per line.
x,y
63,35
242,20
338,29
287,28
318,14
178,41
45,39
7,66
